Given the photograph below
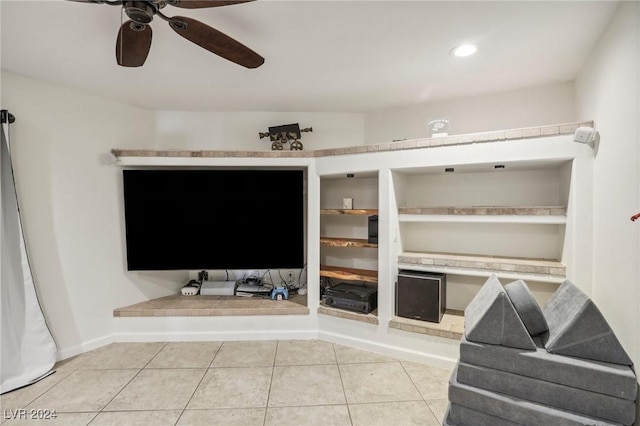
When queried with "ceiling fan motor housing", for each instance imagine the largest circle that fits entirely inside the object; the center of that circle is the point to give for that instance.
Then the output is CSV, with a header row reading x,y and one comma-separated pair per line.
x,y
140,11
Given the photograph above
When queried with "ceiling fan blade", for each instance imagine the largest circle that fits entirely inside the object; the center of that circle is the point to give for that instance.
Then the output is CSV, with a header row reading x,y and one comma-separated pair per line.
x,y
216,42
199,4
132,46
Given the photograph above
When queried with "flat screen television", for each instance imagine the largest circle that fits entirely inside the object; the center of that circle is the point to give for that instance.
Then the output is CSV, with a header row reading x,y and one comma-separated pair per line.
x,y
214,219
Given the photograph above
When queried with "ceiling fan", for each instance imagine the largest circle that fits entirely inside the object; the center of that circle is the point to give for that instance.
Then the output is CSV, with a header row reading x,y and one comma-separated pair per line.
x,y
134,37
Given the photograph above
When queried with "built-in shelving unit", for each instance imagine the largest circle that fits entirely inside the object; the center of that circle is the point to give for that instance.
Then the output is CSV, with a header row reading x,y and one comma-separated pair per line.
x,y
509,207
475,220
346,253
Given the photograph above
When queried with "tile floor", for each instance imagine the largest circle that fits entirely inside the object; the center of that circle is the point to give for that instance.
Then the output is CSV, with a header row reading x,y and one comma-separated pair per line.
x,y
297,383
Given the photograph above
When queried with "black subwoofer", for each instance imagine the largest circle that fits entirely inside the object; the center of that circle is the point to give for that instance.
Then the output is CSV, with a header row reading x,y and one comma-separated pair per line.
x,y
421,295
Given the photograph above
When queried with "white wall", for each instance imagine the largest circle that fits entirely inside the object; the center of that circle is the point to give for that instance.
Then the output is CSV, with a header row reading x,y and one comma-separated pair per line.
x,y
509,110
608,91
70,199
239,130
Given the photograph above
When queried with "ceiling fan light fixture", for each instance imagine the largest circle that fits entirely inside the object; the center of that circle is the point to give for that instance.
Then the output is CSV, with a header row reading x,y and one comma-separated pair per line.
x,y
464,50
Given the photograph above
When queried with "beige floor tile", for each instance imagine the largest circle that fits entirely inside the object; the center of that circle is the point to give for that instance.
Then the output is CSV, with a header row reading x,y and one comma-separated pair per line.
x,y
84,390
22,397
122,355
61,419
246,354
72,363
306,385
185,355
321,415
377,382
432,382
304,352
348,355
137,418
226,417
392,413
242,387
438,407
158,389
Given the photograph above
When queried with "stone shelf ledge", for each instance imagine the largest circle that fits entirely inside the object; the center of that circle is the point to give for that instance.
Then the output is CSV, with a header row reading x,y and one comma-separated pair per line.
x,y
451,326
525,268
486,210
370,318
544,215
178,305
469,138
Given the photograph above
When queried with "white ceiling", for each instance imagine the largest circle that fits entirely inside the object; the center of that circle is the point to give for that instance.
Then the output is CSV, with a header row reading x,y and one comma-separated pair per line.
x,y
332,56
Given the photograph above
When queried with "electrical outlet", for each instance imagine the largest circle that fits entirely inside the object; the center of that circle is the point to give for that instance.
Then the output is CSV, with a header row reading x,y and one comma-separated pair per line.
x,y
289,276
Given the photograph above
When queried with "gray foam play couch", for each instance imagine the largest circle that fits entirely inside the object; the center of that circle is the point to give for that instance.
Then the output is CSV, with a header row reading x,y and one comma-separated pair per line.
x,y
522,365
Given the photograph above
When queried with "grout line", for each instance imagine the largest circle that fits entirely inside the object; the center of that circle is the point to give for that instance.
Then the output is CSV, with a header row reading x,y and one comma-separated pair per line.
x,y
273,369
344,393
129,382
206,371
412,382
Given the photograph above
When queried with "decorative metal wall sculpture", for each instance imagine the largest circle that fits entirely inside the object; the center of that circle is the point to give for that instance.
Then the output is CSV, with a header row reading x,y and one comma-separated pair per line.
x,y
286,133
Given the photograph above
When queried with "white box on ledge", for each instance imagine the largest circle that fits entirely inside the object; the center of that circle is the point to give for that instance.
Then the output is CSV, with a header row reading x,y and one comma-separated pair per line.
x,y
218,288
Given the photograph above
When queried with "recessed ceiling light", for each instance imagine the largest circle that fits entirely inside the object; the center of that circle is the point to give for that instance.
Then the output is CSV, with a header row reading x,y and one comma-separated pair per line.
x,y
464,50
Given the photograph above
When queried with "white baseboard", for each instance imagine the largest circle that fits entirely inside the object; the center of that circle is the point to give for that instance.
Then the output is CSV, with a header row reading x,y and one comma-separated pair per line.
x,y
389,350
181,336
87,346
200,336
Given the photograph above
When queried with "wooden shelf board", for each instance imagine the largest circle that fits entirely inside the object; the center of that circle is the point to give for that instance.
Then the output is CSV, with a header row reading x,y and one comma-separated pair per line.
x,y
346,242
351,274
371,318
349,211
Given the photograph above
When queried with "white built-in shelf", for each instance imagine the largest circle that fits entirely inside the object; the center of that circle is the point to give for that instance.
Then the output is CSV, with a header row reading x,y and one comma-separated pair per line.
x,y
553,215
540,270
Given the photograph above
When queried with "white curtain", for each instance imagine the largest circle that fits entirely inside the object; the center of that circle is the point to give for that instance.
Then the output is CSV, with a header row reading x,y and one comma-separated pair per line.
x,y
28,351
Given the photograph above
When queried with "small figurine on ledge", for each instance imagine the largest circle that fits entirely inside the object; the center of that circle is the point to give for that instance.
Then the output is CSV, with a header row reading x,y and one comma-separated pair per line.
x,y
635,217
280,135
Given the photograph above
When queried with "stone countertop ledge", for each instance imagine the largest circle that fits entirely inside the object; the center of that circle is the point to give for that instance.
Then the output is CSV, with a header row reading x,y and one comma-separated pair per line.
x,y
178,305
469,138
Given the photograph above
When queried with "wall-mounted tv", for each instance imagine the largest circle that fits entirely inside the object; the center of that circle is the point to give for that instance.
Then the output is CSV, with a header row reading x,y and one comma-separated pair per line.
x,y
200,219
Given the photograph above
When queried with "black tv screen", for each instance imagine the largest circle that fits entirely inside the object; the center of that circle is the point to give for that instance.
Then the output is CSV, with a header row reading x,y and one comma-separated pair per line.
x,y
214,219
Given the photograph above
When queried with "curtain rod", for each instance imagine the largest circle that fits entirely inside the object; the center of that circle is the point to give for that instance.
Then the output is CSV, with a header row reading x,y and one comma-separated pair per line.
x,y
6,116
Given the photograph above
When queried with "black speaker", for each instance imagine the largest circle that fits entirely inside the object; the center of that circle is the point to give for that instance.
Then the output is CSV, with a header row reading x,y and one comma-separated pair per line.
x,y
421,295
373,229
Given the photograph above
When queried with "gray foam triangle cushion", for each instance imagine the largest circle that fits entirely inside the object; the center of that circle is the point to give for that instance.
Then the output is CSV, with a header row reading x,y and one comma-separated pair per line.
x,y
578,328
491,318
